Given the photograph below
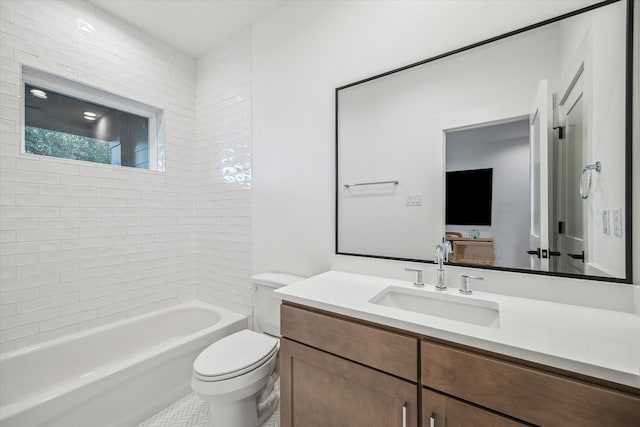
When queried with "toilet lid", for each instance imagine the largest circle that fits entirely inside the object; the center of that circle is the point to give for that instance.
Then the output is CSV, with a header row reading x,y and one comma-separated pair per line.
x,y
235,354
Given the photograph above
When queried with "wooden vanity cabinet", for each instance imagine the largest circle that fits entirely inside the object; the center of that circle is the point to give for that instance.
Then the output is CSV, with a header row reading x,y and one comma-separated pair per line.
x,y
335,372
533,395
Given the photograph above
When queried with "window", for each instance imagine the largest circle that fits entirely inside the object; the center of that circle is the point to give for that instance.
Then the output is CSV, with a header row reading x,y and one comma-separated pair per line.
x,y
72,121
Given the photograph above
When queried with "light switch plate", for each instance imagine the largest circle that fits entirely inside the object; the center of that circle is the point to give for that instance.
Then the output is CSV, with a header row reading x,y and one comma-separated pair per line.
x,y
617,222
413,200
605,222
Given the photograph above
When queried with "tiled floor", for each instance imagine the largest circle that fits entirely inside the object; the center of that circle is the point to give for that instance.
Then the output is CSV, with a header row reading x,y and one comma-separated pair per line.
x,y
190,411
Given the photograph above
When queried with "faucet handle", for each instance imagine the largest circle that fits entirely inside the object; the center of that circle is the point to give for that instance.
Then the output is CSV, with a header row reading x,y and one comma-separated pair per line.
x,y
465,282
418,283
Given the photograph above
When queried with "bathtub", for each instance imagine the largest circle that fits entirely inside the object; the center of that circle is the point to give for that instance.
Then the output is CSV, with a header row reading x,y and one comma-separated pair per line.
x,y
114,375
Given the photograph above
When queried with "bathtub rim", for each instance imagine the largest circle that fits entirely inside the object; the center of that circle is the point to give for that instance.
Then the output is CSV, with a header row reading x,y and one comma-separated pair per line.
x,y
227,318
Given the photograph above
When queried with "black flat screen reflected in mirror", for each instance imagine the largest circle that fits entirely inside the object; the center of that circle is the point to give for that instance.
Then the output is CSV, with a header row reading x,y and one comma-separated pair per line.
x,y
468,197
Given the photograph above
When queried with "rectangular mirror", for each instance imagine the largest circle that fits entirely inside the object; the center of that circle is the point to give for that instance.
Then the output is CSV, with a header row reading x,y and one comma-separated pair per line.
x,y
516,150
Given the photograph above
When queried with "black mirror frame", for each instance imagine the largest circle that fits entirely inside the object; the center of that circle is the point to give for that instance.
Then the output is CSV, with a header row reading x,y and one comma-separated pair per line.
x,y
628,279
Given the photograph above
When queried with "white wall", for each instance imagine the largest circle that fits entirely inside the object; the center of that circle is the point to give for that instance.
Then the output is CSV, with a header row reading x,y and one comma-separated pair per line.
x,y
301,53
223,163
84,244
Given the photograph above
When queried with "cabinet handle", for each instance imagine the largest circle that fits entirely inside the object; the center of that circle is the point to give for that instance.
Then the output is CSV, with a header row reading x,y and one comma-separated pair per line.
x,y
432,420
404,414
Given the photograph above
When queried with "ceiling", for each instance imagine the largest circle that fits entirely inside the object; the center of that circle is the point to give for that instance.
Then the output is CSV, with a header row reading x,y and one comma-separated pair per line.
x,y
191,26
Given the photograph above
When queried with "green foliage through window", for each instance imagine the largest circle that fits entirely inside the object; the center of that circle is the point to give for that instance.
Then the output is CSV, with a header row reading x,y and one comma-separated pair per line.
x,y
58,144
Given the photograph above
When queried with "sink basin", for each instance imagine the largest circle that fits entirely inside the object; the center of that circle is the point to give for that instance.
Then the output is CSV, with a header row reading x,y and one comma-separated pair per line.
x,y
452,307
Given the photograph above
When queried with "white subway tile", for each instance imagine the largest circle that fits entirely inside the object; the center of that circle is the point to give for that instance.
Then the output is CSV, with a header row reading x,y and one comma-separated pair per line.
x,y
118,250
49,223
42,234
47,164
85,212
65,190
120,278
101,261
26,271
28,247
89,242
17,260
118,222
160,296
103,203
7,310
18,296
146,309
19,332
28,318
39,200
86,305
89,273
120,307
72,319
67,255
15,175
103,291
57,289
18,187
47,302
28,212
7,236
103,232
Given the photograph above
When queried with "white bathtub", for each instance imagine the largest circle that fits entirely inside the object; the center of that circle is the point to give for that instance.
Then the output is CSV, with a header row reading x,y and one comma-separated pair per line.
x,y
114,375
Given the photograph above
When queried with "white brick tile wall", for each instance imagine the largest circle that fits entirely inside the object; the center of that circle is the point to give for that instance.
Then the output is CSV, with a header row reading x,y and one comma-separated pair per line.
x,y
223,140
84,244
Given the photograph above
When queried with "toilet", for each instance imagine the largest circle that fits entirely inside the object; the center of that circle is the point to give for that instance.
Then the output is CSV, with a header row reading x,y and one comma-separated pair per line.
x,y
236,374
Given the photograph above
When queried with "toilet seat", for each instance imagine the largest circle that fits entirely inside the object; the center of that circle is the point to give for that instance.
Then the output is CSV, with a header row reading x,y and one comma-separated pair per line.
x,y
234,355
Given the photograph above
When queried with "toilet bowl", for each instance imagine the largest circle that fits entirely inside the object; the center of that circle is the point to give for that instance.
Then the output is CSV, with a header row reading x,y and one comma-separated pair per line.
x,y
236,374
230,374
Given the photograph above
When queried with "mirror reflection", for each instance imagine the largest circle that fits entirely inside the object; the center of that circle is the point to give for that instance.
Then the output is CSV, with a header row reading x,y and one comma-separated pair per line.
x,y
513,151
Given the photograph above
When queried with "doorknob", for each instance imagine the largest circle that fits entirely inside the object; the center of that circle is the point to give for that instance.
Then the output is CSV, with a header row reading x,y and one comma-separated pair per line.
x,y
554,253
535,252
577,256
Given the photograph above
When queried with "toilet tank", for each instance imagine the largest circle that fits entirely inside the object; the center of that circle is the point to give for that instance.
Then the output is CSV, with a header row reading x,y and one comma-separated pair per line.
x,y
266,307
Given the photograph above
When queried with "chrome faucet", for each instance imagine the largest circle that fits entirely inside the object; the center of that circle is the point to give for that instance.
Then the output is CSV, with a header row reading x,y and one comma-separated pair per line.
x,y
441,256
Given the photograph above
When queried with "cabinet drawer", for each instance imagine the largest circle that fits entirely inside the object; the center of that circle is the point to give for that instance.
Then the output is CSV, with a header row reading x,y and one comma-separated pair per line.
x,y
525,393
322,390
442,411
384,350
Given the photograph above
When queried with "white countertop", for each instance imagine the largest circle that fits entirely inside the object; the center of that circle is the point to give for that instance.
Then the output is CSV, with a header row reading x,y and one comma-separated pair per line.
x,y
599,343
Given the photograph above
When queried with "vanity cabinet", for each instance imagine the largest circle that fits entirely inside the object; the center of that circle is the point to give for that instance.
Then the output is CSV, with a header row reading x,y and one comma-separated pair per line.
x,y
524,392
335,372
339,371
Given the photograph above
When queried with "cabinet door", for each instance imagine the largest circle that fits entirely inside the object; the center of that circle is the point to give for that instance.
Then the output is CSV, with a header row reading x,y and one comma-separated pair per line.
x,y
439,410
321,390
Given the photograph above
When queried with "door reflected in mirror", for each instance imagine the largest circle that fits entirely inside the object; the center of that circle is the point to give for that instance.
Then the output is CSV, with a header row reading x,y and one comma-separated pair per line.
x,y
515,150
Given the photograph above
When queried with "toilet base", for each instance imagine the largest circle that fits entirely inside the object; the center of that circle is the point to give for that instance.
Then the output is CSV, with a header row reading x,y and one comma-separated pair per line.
x,y
248,412
241,413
